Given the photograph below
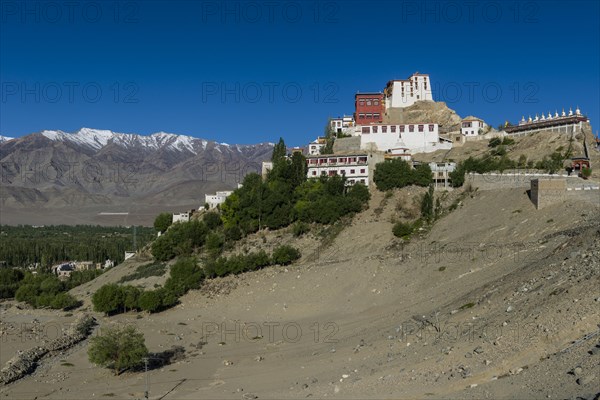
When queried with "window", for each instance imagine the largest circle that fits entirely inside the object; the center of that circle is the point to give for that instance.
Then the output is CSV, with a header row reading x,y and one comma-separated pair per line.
x,y
314,173
332,173
421,127
323,173
343,172
369,102
393,128
362,170
362,181
401,128
375,129
365,129
376,115
369,116
376,102
361,116
361,102
411,128
431,127
352,171
384,129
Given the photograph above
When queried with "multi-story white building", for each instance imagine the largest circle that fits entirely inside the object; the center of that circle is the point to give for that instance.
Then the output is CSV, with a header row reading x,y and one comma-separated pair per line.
x,y
417,138
401,93
214,200
356,167
472,126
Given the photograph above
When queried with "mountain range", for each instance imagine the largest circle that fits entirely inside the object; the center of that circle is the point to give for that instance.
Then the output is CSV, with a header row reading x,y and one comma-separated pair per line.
x,y
105,177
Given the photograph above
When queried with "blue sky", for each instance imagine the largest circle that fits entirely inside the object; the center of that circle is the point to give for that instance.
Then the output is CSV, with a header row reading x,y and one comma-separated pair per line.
x,y
247,72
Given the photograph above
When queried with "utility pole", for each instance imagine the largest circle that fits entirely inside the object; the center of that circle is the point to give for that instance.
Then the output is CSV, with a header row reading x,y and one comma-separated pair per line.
x,y
146,377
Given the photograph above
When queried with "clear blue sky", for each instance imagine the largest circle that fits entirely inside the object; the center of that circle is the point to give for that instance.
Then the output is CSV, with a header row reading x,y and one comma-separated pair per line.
x,y
246,72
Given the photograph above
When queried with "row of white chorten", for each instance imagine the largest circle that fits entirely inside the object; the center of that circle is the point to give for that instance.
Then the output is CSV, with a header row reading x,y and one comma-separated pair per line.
x,y
550,116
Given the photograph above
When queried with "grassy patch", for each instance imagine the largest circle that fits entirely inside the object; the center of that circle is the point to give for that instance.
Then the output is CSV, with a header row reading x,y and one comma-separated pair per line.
x,y
550,220
145,271
441,269
466,306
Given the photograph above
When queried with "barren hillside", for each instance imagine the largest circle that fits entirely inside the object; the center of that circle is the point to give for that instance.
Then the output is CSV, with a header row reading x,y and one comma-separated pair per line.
x,y
486,304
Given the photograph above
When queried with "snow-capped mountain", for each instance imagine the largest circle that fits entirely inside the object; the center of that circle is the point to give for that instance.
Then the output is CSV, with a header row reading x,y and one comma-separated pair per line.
x,y
97,139
74,172
5,138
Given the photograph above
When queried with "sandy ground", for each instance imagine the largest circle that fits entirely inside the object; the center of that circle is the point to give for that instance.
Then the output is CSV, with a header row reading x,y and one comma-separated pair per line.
x,y
483,306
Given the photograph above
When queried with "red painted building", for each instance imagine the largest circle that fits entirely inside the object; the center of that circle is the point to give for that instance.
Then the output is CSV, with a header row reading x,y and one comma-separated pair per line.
x,y
369,108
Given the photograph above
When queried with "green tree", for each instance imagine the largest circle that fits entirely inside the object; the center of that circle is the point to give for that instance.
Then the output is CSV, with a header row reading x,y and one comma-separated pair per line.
x,y
163,221
279,151
108,299
150,300
427,210
118,348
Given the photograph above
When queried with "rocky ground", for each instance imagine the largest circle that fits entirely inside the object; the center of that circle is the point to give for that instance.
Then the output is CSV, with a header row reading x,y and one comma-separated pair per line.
x,y
497,300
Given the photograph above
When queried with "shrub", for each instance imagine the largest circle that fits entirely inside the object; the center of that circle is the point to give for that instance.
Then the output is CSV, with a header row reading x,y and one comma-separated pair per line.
x,y
63,301
402,230
131,296
495,142
118,348
145,271
284,255
300,228
586,172
427,210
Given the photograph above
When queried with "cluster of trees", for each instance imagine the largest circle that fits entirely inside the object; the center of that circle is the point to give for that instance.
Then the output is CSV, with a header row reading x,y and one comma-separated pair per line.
x,y
180,240
397,173
44,290
25,245
236,264
185,275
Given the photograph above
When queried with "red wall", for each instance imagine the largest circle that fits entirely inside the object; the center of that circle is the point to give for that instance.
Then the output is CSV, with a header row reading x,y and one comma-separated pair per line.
x,y
366,109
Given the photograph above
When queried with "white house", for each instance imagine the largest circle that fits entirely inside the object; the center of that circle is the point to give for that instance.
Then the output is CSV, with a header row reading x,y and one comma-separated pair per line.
x,y
472,126
129,254
214,200
181,217
401,93
314,147
339,124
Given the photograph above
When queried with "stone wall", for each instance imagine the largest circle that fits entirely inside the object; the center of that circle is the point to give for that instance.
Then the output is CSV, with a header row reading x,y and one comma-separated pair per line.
x,y
547,191
346,144
493,181
25,363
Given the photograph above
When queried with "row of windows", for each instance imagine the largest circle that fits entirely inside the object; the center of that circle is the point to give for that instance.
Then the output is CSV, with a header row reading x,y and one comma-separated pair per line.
x,y
342,172
384,128
369,116
368,102
336,160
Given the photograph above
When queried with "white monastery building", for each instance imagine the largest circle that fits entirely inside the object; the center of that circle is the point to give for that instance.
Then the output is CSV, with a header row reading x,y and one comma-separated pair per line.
x,y
182,217
401,93
356,167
